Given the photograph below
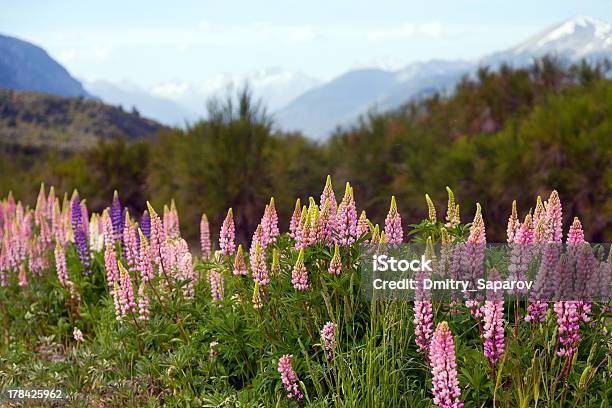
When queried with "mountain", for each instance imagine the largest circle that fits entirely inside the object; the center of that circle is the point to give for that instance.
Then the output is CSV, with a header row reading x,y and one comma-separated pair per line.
x,y
66,123
572,40
26,67
340,101
129,95
275,86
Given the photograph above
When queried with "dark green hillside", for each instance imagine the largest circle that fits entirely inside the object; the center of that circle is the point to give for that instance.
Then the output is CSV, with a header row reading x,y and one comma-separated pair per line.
x,y
39,120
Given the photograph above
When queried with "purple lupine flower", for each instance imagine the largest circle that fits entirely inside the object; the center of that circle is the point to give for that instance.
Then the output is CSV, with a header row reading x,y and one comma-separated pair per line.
x,y
423,314
444,369
143,302
259,267
299,275
145,224
335,265
295,220
362,225
346,219
205,237
328,338
80,238
393,225
289,378
239,265
493,330
215,279
328,195
521,253
116,214
227,235
143,260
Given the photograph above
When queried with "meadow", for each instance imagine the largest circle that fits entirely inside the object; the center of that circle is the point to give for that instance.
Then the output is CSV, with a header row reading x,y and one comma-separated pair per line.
x,y
117,309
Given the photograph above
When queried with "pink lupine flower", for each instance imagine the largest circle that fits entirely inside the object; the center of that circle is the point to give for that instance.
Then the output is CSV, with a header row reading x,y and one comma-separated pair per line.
x,y
393,225
423,315
144,265
346,219
315,232
473,258
130,243
157,235
77,335
258,238
302,226
325,225
171,221
335,265
493,330
126,292
239,264
256,298
23,280
551,241
117,301
269,223
299,275
295,220
60,265
259,267
444,369
362,225
215,279
568,327
513,224
328,195
289,378
328,338
227,235
205,237
185,267
143,303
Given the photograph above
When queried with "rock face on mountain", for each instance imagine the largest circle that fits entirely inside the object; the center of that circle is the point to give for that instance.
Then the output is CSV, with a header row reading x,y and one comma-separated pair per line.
x,y
26,67
67,123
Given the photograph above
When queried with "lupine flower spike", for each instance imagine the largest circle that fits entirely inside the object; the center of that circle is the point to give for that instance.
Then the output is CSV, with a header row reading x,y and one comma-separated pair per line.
x,y
205,237
328,196
116,214
335,265
227,235
362,224
259,267
80,238
289,378
444,369
215,279
493,330
239,265
256,298
295,220
299,276
393,225
452,211
431,209
328,338
346,219
275,268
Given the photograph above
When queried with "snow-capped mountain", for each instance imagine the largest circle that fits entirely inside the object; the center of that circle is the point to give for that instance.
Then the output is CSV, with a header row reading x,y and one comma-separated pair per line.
x,y
574,39
129,95
275,86
340,101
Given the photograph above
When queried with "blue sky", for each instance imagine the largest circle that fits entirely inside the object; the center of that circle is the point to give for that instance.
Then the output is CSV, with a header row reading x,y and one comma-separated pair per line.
x,y
151,42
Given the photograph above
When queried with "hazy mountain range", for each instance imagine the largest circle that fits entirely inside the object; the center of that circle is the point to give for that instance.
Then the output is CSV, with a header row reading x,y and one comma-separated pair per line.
x,y
296,100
